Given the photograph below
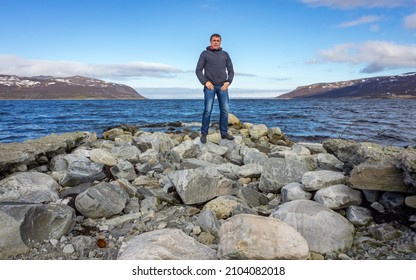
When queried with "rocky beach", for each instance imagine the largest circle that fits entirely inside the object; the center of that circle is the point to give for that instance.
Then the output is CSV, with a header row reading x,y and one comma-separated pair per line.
x,y
131,194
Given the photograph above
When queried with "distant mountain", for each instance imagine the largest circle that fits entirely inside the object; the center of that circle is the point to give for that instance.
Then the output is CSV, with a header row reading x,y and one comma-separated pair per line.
x,y
400,86
77,87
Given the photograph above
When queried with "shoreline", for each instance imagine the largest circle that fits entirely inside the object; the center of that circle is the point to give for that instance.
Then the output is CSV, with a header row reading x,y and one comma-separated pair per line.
x,y
164,184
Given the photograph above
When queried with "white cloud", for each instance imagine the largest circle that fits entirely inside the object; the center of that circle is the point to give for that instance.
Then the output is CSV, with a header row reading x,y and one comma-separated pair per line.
x,y
410,21
360,21
349,4
375,55
15,65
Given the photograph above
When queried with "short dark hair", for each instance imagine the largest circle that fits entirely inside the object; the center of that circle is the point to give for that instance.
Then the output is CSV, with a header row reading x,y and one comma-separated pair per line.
x,y
215,35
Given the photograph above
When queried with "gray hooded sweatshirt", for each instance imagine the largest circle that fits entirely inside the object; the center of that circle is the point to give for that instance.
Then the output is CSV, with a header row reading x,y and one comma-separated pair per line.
x,y
214,65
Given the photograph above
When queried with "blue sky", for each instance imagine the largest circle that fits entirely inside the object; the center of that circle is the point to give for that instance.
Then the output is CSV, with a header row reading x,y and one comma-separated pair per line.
x,y
153,46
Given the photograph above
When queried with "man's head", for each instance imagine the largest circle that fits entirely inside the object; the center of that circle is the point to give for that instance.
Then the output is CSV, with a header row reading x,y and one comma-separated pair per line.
x,y
215,41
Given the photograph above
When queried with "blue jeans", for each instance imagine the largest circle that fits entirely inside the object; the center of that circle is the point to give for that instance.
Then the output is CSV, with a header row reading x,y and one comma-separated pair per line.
x,y
209,96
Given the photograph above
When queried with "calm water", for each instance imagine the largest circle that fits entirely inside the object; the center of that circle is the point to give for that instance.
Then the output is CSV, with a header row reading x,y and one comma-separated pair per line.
x,y
389,122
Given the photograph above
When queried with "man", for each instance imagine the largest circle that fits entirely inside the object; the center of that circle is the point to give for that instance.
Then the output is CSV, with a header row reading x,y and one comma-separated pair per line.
x,y
215,71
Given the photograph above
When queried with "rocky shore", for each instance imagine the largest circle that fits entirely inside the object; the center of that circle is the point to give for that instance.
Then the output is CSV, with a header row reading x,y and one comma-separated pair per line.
x,y
132,194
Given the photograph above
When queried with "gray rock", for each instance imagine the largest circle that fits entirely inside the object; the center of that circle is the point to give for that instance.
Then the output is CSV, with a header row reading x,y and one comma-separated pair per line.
x,y
251,237
329,162
355,153
371,196
280,172
252,155
72,170
102,157
315,148
127,152
392,200
294,191
315,180
410,201
11,244
28,152
358,215
158,141
378,176
31,187
165,244
251,170
233,153
226,206
253,197
199,185
123,170
208,222
257,131
102,200
383,231
44,222
83,244
300,150
407,163
338,197
324,230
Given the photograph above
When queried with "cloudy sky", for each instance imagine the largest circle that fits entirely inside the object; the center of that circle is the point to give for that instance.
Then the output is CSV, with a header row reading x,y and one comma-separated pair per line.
x,y
153,46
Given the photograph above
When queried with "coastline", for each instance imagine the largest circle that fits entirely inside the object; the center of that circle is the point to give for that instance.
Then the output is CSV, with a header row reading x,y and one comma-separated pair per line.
x,y
148,174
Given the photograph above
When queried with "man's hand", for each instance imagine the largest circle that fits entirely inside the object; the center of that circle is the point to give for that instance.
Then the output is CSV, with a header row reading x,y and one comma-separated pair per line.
x,y
209,85
225,86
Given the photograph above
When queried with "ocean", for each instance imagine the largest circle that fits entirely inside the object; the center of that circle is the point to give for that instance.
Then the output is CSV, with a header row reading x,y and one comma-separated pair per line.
x,y
383,121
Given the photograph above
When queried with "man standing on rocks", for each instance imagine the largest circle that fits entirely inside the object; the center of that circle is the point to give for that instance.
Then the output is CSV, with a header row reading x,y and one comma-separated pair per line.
x,y
215,71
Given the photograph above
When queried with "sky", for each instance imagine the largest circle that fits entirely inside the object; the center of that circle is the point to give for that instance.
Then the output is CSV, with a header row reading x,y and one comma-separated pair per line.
x,y
153,46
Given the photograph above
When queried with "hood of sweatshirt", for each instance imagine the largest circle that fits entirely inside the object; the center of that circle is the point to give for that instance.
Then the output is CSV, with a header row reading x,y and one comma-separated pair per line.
x,y
209,48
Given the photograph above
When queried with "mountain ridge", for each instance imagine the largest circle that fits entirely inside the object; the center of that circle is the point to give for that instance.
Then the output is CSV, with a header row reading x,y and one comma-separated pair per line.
x,y
74,87
397,86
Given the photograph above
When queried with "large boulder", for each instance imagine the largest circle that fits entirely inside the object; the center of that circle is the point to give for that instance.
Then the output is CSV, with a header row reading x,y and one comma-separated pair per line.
x,y
376,167
379,177
253,237
31,187
29,152
102,200
325,230
11,243
23,225
199,185
316,180
165,244
338,197
278,172
72,170
44,222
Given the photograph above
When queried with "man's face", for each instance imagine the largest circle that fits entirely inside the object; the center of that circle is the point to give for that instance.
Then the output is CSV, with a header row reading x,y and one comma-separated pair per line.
x,y
215,42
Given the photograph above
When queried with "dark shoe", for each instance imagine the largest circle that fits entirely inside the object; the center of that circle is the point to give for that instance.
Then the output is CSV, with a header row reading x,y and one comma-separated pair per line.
x,y
203,138
227,136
